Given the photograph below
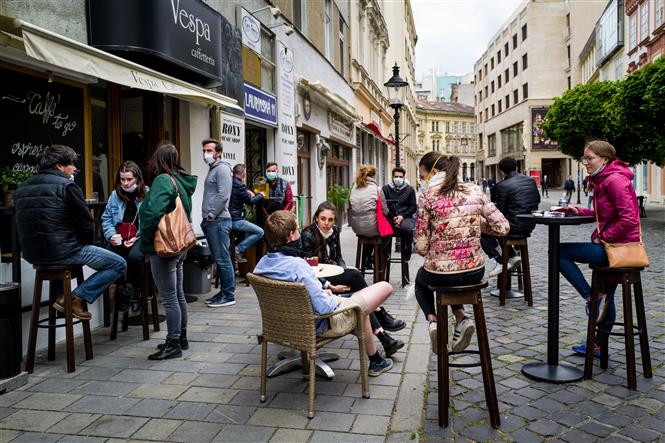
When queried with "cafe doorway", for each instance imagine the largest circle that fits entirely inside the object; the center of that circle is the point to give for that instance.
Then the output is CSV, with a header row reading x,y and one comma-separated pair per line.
x,y
255,153
552,168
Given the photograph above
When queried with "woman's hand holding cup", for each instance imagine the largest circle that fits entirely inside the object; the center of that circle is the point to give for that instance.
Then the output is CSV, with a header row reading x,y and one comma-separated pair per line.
x,y
116,240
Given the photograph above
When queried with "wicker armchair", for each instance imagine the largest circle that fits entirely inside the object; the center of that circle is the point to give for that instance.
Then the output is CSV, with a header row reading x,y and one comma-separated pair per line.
x,y
288,320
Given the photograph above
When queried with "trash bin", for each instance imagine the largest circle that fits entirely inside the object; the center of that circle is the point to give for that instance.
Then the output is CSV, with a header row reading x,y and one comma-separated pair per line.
x,y
10,330
196,269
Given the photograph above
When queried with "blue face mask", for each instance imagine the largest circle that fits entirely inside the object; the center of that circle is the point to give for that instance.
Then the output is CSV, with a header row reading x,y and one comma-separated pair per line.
x,y
271,175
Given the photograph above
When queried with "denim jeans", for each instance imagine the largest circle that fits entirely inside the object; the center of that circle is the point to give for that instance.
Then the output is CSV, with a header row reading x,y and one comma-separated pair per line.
x,y
218,233
252,234
109,267
592,253
167,273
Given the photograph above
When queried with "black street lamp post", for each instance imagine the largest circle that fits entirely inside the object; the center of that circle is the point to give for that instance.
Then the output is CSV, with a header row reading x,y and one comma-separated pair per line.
x,y
396,86
579,183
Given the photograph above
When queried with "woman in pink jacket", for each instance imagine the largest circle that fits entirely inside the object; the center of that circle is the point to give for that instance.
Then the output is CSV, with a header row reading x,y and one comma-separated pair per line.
x,y
451,216
615,204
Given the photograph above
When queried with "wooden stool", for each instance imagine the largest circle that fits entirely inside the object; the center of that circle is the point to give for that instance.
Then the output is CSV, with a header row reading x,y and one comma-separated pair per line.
x,y
241,268
624,277
401,260
463,295
65,275
148,296
374,243
523,271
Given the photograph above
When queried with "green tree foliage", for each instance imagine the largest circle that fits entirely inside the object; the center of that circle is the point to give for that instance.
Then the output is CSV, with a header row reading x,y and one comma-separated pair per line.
x,y
628,113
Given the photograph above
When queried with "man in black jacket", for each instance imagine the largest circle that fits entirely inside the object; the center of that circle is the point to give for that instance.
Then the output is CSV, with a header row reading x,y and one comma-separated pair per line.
x,y
569,186
515,194
240,196
55,228
402,207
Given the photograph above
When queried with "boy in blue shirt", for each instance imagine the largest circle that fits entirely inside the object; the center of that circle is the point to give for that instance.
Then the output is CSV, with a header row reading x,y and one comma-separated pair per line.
x,y
283,262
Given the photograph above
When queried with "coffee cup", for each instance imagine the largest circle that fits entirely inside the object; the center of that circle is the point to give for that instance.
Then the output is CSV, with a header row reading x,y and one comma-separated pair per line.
x,y
116,239
312,261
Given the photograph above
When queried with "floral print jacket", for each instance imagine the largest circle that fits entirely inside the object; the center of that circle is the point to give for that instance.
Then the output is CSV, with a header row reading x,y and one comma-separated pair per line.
x,y
448,228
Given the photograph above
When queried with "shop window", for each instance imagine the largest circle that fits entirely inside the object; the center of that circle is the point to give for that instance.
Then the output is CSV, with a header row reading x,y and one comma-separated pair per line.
x,y
514,41
525,61
507,100
644,20
102,178
267,61
491,145
498,81
524,32
506,74
511,139
498,57
632,23
300,15
525,91
505,49
515,69
516,96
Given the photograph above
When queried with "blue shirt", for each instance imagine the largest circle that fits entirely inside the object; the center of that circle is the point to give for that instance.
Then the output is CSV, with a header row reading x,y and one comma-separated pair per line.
x,y
278,266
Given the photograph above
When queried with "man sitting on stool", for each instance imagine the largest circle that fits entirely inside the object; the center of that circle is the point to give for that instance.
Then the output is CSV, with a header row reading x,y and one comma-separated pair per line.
x,y
402,207
240,196
515,194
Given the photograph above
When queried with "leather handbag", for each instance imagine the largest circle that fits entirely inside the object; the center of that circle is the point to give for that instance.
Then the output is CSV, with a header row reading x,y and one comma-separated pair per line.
x,y
127,230
624,255
385,229
174,232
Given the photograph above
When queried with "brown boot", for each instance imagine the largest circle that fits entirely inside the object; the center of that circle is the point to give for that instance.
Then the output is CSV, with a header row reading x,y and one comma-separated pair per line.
x,y
78,310
59,303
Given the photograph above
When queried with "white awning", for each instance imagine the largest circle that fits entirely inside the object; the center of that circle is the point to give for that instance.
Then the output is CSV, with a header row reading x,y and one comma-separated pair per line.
x,y
341,105
69,54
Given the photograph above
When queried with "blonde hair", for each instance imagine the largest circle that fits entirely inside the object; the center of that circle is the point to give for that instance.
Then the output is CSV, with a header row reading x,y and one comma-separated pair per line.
x,y
362,173
602,149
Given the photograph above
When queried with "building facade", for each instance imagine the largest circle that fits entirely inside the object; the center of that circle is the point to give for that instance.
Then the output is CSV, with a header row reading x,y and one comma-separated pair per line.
x,y
449,128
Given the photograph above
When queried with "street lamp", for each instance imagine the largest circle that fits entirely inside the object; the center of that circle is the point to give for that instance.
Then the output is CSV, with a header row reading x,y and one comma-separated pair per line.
x,y
396,90
579,181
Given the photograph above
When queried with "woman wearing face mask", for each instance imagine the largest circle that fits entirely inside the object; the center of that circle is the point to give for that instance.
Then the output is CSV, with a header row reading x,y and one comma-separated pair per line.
x,y
321,240
451,216
120,224
615,205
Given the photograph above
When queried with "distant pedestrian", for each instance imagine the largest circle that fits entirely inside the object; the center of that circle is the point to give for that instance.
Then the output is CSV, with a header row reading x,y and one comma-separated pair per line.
x,y
569,187
484,182
544,186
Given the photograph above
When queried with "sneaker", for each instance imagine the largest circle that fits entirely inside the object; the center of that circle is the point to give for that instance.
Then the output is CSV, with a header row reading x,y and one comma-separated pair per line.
x,y
378,368
214,297
496,271
463,332
239,257
581,350
432,335
513,261
221,302
601,308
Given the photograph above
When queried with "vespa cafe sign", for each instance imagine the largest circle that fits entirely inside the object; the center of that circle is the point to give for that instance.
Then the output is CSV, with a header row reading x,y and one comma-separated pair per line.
x,y
186,33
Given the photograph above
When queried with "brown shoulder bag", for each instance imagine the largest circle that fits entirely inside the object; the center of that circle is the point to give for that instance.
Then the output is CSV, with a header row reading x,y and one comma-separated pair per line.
x,y
624,255
174,232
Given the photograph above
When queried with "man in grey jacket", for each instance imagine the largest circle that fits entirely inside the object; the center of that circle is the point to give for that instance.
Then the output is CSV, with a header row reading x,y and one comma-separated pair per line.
x,y
217,222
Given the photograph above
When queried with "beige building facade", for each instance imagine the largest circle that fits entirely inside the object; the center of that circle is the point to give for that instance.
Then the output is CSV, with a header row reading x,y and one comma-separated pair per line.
x,y
448,128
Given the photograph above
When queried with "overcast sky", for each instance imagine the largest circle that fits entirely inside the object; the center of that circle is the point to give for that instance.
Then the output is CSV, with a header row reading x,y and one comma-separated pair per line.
x,y
453,34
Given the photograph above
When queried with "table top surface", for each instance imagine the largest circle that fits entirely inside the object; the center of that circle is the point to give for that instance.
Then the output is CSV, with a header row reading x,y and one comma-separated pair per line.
x,y
570,220
323,270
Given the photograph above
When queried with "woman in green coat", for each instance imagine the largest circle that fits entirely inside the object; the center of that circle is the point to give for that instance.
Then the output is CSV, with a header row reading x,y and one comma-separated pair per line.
x,y
167,271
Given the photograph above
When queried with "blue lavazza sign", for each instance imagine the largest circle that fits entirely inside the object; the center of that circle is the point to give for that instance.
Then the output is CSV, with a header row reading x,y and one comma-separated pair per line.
x,y
260,106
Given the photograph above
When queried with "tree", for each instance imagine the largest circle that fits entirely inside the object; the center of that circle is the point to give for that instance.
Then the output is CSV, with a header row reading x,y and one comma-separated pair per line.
x,y
628,113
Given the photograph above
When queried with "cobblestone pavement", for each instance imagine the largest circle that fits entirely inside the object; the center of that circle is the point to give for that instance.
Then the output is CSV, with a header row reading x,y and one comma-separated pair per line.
x,y
211,394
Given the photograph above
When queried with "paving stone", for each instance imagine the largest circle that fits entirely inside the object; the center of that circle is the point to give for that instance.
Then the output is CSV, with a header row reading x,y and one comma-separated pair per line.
x,y
151,408
432,431
576,436
607,400
114,426
244,433
141,376
74,423
157,429
196,432
190,411
47,401
34,437
208,395
215,381
529,412
567,418
57,385
278,417
480,432
545,427
110,388
81,439
12,397
331,421
291,436
653,424
102,405
7,435
159,392
524,436
28,420
336,437
236,415
372,406
251,398
614,419
370,424
639,433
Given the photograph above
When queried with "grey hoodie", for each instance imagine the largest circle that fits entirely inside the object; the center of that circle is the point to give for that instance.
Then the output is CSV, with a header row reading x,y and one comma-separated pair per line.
x,y
217,191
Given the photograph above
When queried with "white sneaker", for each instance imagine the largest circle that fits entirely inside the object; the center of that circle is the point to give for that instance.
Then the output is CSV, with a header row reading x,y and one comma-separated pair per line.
x,y
433,335
497,270
463,332
513,261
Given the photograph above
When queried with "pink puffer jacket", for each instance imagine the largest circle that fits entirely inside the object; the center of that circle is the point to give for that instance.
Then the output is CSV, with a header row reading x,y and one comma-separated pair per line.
x,y
448,229
615,200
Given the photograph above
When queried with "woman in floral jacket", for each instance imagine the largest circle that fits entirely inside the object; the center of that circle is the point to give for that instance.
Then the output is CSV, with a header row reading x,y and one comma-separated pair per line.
x,y
451,216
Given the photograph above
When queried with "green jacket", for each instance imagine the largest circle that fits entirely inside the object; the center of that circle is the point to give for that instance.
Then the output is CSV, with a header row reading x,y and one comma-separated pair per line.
x,y
160,200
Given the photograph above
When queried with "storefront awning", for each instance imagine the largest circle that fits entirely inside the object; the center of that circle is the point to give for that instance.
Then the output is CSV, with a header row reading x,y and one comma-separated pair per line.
x,y
341,105
71,55
375,129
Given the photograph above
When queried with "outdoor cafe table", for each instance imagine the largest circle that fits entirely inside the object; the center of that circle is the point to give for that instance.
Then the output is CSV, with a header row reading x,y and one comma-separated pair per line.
x,y
553,371
290,360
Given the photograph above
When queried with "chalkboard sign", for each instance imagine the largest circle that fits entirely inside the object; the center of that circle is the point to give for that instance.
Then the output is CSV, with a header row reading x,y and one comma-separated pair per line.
x,y
35,114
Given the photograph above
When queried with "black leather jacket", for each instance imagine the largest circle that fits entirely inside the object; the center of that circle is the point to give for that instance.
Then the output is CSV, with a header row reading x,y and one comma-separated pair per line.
x,y
52,219
313,245
517,194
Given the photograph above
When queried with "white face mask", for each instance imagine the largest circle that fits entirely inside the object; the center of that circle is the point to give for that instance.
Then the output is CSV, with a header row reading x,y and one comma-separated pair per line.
x,y
398,181
71,178
130,189
209,159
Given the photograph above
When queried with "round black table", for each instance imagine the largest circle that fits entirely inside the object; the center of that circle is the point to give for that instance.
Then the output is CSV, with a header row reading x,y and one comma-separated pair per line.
x,y
553,371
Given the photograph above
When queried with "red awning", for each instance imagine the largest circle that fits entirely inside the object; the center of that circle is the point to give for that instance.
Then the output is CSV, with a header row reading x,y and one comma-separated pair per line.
x,y
375,129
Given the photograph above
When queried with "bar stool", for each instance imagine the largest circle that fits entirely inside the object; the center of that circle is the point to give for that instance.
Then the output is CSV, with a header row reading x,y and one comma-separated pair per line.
x,y
373,243
463,295
624,277
523,271
401,260
65,275
148,296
